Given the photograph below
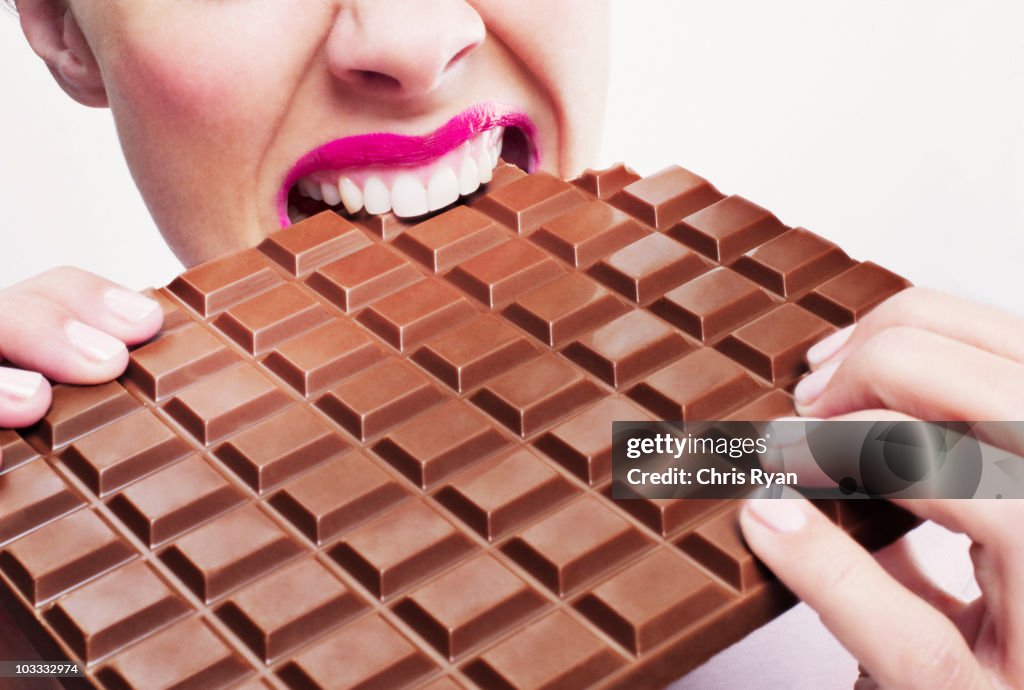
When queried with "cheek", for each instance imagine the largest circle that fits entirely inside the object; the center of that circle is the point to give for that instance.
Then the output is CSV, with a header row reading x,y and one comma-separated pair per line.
x,y
169,90
222,66
564,39
169,85
564,45
197,89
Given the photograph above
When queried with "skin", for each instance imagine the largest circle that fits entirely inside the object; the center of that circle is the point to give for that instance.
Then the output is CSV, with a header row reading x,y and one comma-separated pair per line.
x,y
210,122
906,631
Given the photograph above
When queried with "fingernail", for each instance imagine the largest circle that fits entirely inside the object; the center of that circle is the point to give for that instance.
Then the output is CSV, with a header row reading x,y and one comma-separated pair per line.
x,y
94,344
19,385
811,388
828,347
128,305
779,514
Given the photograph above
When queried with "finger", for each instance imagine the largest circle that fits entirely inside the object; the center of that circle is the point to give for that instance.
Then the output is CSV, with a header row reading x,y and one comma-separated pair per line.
x,y
997,552
901,640
37,334
98,302
984,521
974,621
898,559
24,398
865,681
790,450
919,373
979,325
992,527
990,522
997,548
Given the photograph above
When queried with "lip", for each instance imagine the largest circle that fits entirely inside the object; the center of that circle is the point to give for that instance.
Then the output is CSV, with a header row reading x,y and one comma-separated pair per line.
x,y
387,148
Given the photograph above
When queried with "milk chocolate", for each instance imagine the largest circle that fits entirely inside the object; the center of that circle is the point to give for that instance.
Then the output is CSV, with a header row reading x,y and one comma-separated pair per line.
x,y
377,452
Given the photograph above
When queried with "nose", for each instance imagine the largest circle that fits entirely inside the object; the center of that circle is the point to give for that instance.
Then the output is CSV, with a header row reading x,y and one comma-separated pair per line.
x,y
401,47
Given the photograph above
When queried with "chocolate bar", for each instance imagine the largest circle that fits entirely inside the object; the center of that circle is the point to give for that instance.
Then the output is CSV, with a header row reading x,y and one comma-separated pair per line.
x,y
378,453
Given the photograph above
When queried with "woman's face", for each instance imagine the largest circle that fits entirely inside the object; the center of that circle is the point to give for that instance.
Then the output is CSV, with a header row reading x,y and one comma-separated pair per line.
x,y
227,109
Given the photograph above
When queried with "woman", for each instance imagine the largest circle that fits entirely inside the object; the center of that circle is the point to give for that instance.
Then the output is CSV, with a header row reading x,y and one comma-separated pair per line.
x,y
229,110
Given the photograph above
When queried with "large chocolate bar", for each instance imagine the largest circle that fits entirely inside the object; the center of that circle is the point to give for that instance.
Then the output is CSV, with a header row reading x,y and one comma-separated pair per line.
x,y
379,453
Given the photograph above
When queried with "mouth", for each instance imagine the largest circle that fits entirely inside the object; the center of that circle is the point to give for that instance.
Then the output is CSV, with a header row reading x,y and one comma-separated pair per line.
x,y
408,175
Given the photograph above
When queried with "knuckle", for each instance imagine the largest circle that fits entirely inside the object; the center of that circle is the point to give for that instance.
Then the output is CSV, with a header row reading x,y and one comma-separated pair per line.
x,y
983,558
1008,393
39,283
26,320
64,271
18,305
1000,540
900,304
844,576
879,351
939,658
881,364
63,274
56,276
903,307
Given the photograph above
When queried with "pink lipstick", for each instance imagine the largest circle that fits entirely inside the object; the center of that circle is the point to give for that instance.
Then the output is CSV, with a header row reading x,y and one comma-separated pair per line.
x,y
412,175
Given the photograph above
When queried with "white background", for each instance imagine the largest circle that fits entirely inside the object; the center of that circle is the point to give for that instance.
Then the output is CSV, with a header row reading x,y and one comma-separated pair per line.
x,y
895,128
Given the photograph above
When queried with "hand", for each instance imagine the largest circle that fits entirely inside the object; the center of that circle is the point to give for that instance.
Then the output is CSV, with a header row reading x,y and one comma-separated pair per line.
x,y
923,353
929,356
905,631
68,326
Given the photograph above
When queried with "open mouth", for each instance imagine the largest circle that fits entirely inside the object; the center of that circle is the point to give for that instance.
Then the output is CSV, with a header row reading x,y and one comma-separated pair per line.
x,y
408,175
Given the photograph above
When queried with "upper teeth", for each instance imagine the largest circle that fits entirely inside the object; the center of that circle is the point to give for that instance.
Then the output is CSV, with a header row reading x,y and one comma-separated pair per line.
x,y
409,190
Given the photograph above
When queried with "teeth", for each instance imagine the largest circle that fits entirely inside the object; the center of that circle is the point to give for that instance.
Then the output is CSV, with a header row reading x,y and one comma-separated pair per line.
x,y
376,196
469,178
330,194
484,166
410,190
310,189
408,197
443,189
496,151
351,195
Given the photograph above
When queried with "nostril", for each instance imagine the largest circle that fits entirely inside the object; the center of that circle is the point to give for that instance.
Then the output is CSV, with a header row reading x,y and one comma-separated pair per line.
x,y
377,80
